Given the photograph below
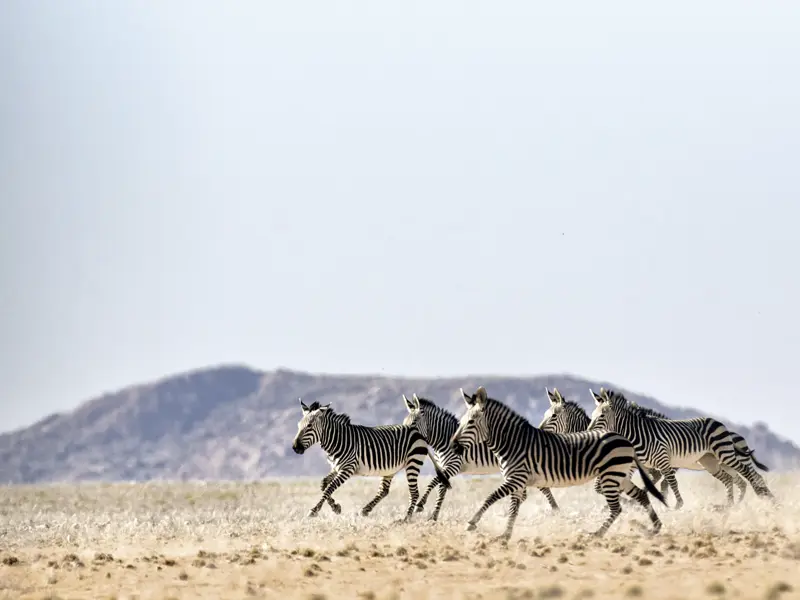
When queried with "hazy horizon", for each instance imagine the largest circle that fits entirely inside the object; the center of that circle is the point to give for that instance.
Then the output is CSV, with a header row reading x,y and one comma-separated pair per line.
x,y
428,189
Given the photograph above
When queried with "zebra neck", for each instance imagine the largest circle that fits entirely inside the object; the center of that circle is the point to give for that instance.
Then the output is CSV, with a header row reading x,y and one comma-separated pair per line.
x,y
507,438
334,438
441,435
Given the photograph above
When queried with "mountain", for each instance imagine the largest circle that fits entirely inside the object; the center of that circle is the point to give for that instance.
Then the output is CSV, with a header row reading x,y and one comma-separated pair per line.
x,y
233,422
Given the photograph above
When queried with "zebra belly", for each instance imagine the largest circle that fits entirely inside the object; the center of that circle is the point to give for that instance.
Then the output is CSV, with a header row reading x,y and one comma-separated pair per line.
x,y
367,471
542,480
687,461
479,469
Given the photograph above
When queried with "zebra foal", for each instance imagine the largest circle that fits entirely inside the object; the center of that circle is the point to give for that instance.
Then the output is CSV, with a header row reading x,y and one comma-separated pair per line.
x,y
529,457
362,450
437,426
668,444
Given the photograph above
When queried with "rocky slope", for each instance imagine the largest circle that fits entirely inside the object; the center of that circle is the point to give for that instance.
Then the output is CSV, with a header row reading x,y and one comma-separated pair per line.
x,y
233,422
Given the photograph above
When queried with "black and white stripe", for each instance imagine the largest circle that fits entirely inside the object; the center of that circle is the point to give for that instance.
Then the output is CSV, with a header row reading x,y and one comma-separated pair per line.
x,y
529,457
738,441
438,425
669,444
362,450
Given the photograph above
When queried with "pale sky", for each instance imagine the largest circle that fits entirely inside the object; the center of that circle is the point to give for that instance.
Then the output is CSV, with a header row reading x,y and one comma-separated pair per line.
x,y
418,188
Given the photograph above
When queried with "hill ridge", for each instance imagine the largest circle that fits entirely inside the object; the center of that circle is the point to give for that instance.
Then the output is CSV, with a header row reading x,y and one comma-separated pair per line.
x,y
233,421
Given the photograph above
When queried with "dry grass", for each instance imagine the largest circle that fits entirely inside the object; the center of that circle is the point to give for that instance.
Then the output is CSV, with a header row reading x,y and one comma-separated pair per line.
x,y
163,540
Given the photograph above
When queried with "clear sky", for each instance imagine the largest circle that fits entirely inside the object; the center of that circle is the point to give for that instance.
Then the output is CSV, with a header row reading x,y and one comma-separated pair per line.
x,y
419,188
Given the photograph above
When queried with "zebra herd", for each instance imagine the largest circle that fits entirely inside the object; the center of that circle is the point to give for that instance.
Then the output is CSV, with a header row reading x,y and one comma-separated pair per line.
x,y
568,448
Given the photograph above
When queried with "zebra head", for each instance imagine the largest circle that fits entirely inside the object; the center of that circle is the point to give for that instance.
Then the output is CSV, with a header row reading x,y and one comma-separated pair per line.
x,y
472,429
550,421
416,416
563,416
607,405
308,429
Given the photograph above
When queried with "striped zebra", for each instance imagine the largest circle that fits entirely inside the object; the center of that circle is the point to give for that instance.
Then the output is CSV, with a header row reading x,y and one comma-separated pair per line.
x,y
529,456
667,444
362,450
738,441
565,416
438,425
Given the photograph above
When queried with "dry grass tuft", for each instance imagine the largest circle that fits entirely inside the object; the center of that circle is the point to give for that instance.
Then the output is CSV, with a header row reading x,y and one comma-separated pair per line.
x,y
240,540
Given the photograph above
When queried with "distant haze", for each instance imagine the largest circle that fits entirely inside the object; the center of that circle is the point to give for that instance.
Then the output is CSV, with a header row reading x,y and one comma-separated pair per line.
x,y
421,189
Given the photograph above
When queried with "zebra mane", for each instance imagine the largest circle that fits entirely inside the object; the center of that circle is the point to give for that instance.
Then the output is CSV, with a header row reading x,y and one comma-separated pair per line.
x,y
425,403
339,418
646,412
514,418
619,400
576,406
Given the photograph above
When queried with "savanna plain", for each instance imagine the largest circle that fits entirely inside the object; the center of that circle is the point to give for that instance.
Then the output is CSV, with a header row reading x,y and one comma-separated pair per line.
x,y
253,540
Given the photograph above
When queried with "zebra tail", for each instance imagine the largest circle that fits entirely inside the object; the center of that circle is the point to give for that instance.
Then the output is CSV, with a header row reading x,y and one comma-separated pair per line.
x,y
648,483
751,455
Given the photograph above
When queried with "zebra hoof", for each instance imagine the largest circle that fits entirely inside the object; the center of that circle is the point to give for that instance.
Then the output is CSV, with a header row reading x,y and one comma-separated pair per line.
x,y
471,526
433,518
311,514
365,512
336,508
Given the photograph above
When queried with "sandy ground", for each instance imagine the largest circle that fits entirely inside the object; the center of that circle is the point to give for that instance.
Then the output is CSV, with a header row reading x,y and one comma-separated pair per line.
x,y
182,540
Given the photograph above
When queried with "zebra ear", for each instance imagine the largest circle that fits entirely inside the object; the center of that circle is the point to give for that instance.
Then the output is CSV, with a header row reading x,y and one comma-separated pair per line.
x,y
409,403
595,396
481,395
554,396
468,399
415,400
303,405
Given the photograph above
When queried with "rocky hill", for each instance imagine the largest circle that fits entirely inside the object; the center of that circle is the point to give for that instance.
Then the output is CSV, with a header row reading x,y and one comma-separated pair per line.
x,y
232,422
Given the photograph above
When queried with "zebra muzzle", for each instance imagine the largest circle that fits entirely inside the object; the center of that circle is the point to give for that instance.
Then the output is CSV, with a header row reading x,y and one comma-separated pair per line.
x,y
298,448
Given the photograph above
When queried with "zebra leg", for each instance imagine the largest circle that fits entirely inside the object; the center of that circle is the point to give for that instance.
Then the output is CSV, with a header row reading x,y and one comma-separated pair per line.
x,y
413,467
513,512
711,464
639,495
609,486
386,483
672,481
746,470
506,488
738,480
332,486
547,494
424,499
336,508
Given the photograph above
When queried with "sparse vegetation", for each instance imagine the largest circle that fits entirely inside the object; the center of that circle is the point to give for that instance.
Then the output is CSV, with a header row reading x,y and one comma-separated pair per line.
x,y
228,540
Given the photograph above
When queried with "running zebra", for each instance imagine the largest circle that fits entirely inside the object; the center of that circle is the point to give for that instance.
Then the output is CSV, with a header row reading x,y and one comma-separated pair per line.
x,y
437,426
738,441
529,457
667,444
563,416
362,450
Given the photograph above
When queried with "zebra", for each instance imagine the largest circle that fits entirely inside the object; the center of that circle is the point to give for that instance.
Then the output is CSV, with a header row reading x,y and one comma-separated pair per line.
x,y
363,450
529,456
438,425
738,441
666,444
565,416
